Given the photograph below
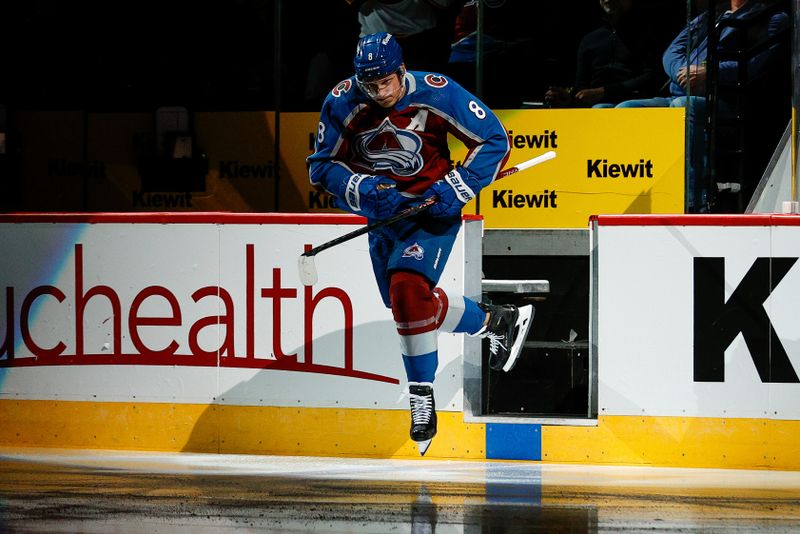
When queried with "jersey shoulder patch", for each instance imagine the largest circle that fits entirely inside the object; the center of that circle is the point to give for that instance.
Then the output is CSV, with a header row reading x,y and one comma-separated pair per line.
x,y
342,88
435,80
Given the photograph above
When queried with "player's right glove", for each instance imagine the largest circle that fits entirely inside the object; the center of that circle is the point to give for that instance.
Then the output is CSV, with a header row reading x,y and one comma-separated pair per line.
x,y
374,197
452,194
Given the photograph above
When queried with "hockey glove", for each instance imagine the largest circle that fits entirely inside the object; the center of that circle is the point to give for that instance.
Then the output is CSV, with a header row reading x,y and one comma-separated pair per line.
x,y
452,193
374,197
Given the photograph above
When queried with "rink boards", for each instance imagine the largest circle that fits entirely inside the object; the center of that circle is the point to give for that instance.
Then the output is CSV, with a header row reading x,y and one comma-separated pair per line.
x,y
695,334
193,332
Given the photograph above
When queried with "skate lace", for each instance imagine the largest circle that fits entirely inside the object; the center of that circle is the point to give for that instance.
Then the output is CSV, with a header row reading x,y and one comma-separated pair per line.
x,y
420,409
495,342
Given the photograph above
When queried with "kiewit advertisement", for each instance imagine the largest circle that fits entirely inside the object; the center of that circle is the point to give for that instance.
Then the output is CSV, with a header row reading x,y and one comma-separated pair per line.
x,y
608,161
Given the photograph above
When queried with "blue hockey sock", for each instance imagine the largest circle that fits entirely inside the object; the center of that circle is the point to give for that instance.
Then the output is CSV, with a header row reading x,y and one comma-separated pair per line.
x,y
472,319
421,368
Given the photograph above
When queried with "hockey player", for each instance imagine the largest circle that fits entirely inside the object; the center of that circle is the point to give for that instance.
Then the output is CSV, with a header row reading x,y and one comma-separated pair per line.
x,y
381,147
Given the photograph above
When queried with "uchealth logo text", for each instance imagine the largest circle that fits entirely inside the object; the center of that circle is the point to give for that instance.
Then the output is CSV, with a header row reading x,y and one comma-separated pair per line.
x,y
506,198
602,168
180,342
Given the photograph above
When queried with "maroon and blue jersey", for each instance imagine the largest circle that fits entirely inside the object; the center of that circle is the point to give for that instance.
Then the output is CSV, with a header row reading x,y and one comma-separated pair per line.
x,y
407,143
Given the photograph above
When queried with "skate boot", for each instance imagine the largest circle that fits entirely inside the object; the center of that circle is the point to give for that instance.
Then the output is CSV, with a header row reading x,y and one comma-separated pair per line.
x,y
423,414
506,331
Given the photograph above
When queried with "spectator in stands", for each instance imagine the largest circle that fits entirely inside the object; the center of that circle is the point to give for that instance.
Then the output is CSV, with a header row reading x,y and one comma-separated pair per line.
x,y
500,51
684,62
423,28
615,62
465,36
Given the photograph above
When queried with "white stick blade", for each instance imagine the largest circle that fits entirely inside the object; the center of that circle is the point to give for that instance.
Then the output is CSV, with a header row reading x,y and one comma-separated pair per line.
x,y
307,270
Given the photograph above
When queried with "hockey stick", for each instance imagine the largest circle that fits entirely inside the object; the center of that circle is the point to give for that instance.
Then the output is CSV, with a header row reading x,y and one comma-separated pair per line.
x,y
550,154
305,263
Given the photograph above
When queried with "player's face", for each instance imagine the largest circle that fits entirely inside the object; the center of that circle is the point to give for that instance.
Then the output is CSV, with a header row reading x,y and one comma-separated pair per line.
x,y
386,91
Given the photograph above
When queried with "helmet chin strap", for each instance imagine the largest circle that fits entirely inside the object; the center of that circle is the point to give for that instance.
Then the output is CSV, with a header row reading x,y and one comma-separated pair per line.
x,y
403,88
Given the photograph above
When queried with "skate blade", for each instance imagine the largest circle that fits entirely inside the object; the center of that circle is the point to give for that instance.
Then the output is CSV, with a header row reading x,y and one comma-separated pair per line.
x,y
524,322
423,446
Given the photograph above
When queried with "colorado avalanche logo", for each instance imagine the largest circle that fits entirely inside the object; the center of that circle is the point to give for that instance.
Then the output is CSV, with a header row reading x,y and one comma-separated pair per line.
x,y
387,148
434,80
342,88
414,251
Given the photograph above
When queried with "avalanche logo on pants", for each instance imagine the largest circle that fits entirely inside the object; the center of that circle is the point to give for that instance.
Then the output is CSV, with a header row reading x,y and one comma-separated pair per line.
x,y
414,251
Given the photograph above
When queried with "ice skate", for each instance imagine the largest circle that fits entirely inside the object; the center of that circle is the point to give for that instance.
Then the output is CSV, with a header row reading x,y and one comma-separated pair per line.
x,y
423,414
506,331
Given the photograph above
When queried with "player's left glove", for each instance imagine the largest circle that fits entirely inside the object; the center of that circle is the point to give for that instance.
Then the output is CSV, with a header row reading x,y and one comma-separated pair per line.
x,y
452,194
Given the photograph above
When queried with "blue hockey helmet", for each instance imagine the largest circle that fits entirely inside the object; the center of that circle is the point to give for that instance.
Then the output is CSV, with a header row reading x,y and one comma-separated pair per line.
x,y
377,56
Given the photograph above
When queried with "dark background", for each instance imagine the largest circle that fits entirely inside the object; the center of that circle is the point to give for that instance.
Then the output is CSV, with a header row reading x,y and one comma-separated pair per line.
x,y
220,54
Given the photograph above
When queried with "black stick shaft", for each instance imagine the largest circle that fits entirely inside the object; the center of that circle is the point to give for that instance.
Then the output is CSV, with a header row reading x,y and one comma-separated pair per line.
x,y
418,208
374,226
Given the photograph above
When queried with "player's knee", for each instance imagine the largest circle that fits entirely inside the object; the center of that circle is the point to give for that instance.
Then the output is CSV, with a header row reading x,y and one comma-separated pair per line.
x,y
412,299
